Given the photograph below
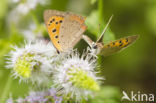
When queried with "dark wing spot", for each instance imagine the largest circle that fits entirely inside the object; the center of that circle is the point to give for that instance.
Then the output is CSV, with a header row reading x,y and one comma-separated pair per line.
x,y
60,21
56,36
108,45
56,23
113,43
121,44
54,30
120,41
53,19
58,42
126,39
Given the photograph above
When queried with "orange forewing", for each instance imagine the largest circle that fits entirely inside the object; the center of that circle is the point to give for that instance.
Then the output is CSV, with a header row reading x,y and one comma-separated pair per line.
x,y
53,25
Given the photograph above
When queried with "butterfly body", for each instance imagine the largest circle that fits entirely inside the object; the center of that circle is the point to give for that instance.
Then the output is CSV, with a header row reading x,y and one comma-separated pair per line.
x,y
65,28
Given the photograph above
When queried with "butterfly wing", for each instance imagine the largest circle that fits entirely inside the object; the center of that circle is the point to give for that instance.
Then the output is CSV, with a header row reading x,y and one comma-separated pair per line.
x,y
117,45
53,20
71,31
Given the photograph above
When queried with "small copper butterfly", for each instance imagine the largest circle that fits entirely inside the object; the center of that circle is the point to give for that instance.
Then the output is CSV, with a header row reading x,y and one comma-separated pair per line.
x,y
99,47
65,28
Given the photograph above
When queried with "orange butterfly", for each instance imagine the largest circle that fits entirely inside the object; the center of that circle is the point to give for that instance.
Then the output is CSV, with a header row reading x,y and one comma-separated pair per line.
x,y
112,47
65,29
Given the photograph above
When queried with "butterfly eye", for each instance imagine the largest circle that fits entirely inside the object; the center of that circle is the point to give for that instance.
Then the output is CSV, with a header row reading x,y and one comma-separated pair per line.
x,y
94,46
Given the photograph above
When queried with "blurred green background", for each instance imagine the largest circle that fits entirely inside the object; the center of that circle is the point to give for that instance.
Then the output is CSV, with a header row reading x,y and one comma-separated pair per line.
x,y
133,69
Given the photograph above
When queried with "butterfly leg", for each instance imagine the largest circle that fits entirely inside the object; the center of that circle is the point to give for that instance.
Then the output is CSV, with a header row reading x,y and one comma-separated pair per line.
x,y
88,40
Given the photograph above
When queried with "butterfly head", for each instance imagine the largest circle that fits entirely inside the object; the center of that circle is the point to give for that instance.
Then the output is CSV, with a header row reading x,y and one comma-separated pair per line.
x,y
96,47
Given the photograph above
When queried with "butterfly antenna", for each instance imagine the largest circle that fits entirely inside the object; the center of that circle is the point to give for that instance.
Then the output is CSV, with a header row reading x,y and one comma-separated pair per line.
x,y
103,32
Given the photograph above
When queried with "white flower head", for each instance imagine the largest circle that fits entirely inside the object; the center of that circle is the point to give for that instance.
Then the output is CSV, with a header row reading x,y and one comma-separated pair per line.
x,y
77,76
33,62
14,1
21,8
24,6
33,31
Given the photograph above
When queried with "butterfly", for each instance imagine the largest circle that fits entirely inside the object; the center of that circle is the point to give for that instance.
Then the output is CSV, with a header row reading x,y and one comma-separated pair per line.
x,y
64,28
112,47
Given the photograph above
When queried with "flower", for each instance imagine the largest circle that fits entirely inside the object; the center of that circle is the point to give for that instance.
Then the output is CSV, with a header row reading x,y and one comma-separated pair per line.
x,y
10,100
46,96
24,6
76,76
42,97
20,8
33,62
33,31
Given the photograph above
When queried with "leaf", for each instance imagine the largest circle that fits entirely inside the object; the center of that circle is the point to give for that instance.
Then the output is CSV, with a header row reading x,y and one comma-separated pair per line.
x,y
92,22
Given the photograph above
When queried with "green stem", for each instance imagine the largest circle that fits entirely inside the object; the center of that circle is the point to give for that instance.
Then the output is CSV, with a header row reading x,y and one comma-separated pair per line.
x,y
6,90
100,11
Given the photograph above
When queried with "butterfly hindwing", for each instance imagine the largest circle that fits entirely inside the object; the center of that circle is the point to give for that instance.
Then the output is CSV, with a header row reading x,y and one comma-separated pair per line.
x,y
71,31
65,29
117,45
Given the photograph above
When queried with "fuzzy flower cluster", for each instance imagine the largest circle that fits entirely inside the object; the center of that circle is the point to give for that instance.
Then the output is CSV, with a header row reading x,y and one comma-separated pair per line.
x,y
72,77
33,61
77,77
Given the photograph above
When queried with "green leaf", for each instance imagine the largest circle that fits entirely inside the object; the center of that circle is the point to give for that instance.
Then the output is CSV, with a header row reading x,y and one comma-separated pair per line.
x,y
92,22
107,94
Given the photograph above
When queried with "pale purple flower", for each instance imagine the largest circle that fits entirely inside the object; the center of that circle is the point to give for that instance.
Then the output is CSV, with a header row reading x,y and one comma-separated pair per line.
x,y
10,100
41,97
